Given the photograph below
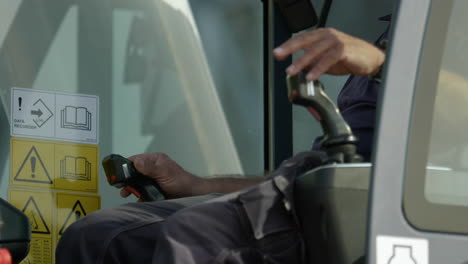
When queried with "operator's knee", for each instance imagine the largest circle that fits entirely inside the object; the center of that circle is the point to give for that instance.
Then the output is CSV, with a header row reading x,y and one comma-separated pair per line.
x,y
199,234
85,229
83,239
100,236
202,220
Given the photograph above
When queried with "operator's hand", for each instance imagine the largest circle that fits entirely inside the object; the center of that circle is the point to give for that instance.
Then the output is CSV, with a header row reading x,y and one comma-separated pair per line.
x,y
171,177
327,50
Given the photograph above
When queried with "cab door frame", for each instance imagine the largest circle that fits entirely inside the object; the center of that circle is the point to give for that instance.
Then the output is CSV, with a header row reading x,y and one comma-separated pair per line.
x,y
390,227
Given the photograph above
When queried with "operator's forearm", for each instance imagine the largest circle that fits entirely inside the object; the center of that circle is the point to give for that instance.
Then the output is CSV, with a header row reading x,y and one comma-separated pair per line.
x,y
225,184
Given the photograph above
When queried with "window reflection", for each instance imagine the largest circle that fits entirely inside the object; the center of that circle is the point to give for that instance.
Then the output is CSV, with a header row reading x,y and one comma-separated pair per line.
x,y
447,179
175,76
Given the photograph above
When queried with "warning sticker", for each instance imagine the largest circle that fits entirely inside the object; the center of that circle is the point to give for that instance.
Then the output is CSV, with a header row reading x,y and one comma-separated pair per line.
x,y
37,206
54,116
72,207
32,163
38,223
54,165
40,252
33,169
50,214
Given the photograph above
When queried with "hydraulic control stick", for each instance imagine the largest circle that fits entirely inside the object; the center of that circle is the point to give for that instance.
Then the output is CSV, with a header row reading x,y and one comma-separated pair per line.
x,y
338,140
121,173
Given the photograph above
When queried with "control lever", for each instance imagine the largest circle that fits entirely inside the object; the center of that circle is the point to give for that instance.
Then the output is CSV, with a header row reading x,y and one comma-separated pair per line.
x,y
121,172
338,139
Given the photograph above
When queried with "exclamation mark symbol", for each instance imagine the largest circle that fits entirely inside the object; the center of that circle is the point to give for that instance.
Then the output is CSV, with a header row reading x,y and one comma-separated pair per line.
x,y
19,102
77,215
33,167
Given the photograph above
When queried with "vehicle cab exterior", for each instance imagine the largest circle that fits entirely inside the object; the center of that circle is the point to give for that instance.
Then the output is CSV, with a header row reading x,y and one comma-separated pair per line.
x,y
418,202
182,99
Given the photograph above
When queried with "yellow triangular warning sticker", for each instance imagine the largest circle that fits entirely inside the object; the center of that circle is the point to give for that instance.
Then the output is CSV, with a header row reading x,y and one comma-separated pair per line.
x,y
38,224
33,169
76,213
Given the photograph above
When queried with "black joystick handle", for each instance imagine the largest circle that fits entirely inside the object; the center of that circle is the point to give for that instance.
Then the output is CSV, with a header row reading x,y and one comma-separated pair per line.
x,y
338,139
121,173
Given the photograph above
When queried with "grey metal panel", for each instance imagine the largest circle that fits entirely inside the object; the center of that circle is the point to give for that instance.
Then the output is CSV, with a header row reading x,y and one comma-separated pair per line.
x,y
331,203
386,217
350,176
386,213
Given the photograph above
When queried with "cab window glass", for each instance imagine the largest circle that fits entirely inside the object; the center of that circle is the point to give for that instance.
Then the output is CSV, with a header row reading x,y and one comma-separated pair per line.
x,y
180,77
447,173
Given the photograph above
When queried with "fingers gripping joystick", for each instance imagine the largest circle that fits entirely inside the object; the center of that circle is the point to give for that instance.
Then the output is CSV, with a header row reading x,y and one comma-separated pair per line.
x,y
121,172
338,140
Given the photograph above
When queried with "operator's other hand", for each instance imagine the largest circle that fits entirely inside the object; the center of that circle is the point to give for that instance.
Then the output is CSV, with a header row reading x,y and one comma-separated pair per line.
x,y
327,50
171,177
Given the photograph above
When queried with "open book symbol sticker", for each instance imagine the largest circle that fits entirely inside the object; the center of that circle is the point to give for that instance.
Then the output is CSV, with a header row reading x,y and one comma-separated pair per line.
x,y
75,168
76,118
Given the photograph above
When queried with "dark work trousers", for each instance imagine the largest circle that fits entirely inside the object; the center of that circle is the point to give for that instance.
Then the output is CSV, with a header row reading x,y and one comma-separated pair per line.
x,y
250,226
254,225
220,230
125,234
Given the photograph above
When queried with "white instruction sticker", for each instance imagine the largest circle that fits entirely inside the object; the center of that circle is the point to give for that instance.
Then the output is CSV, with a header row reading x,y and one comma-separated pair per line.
x,y
399,250
54,116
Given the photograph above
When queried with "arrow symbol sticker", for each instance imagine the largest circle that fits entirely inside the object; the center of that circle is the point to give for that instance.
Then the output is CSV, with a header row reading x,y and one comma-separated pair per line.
x,y
38,112
42,114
